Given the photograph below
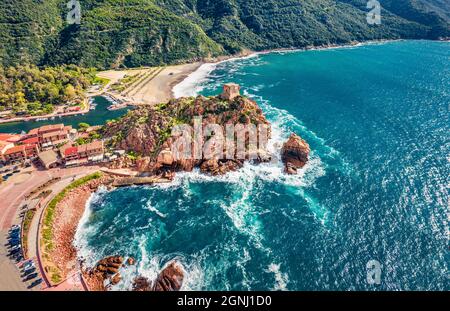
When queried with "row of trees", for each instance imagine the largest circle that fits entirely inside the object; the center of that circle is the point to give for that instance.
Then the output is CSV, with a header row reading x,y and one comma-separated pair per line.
x,y
32,90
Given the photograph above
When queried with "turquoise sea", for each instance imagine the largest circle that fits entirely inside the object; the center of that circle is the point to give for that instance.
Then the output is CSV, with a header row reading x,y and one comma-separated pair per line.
x,y
376,188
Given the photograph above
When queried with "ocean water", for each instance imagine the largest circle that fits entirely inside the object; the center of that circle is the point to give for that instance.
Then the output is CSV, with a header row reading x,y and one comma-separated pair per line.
x,y
376,188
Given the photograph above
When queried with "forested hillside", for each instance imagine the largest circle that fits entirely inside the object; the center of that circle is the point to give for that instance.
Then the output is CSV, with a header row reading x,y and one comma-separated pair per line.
x,y
115,33
34,91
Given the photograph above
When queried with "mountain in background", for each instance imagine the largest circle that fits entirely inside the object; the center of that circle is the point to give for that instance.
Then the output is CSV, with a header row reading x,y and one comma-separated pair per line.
x,y
131,33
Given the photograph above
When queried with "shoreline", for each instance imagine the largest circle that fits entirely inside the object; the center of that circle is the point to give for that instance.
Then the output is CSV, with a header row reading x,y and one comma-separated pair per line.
x,y
164,85
50,116
85,193
188,86
177,82
61,259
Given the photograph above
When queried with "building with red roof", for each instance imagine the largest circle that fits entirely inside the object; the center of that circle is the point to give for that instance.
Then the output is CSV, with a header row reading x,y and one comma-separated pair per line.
x,y
50,135
10,138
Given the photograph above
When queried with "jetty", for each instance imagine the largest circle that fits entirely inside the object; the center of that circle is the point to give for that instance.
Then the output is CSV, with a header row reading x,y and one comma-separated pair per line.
x,y
139,181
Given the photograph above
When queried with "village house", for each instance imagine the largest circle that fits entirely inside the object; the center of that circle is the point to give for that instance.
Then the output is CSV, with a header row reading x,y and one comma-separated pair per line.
x,y
4,145
19,153
10,138
83,154
50,136
13,150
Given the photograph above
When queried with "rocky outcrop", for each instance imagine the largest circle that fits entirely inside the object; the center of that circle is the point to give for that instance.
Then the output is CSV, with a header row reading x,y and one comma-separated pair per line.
x,y
122,162
106,269
217,167
295,154
147,132
169,279
106,273
116,279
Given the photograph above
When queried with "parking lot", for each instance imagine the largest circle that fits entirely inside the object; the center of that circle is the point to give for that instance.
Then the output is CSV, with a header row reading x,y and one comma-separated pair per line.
x,y
11,172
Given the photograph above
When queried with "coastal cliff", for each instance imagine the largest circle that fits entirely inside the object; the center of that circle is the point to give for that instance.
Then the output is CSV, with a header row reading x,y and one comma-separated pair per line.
x,y
146,133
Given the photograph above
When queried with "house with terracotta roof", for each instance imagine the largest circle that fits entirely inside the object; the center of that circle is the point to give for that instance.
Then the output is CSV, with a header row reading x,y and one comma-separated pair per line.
x,y
19,153
10,138
12,148
83,154
93,151
51,135
3,147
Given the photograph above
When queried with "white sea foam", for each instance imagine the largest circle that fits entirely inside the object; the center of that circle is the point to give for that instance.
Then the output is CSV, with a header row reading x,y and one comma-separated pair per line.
x,y
84,231
192,84
153,209
240,209
281,279
282,124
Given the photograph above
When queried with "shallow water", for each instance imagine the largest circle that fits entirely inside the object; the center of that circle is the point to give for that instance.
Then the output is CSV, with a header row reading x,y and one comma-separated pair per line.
x,y
376,188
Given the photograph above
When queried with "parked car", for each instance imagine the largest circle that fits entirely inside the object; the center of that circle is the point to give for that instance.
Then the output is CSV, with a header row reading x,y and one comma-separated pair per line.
x,y
30,277
14,242
29,271
35,283
15,252
29,266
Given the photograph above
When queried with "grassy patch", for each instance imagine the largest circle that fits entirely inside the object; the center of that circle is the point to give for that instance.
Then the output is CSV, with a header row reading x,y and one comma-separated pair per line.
x,y
28,217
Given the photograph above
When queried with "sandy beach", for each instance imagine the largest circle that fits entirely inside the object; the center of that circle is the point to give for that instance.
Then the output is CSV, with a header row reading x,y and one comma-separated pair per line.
x,y
153,85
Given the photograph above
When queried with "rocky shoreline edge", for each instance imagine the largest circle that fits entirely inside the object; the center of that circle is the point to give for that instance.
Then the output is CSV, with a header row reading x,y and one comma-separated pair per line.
x,y
151,146
106,272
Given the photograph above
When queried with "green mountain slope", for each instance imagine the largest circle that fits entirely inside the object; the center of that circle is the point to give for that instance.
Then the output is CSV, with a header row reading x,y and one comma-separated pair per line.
x,y
131,33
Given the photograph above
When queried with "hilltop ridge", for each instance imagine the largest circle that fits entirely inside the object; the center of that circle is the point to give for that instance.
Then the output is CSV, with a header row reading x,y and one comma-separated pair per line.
x,y
135,33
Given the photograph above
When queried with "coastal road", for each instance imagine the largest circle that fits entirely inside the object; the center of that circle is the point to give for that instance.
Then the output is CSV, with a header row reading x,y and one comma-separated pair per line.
x,y
12,196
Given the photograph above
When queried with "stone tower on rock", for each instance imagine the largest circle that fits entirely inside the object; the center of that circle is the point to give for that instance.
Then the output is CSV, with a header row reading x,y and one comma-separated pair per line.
x,y
231,91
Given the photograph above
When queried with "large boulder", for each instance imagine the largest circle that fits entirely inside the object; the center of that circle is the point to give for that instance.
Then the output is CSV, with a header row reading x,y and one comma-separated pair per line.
x,y
295,154
145,164
165,158
170,279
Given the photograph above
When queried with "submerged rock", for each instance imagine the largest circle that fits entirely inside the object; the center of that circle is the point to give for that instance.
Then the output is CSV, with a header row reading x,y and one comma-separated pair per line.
x,y
295,154
141,284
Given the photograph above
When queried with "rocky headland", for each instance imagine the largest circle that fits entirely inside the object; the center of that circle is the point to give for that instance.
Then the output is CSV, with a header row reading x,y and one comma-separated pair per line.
x,y
146,133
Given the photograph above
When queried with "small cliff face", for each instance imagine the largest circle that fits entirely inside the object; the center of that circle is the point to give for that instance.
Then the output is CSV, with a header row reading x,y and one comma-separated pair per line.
x,y
147,131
